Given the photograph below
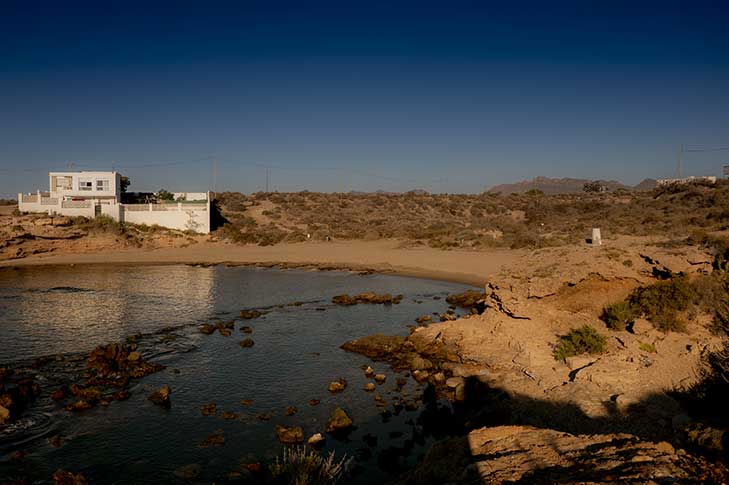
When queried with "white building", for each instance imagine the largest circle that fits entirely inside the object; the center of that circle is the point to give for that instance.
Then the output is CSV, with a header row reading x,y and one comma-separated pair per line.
x,y
91,194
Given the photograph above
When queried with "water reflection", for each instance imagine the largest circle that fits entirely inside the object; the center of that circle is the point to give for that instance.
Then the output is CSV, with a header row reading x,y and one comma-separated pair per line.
x,y
62,309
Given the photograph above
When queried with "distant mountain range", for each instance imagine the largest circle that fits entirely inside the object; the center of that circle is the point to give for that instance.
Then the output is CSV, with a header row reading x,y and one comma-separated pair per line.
x,y
565,185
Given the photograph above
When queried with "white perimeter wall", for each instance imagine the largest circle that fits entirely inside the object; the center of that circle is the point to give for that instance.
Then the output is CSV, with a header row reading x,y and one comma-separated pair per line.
x,y
186,219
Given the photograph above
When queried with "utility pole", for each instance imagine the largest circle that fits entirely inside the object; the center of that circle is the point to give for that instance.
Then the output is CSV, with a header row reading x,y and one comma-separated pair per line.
x,y
680,161
215,175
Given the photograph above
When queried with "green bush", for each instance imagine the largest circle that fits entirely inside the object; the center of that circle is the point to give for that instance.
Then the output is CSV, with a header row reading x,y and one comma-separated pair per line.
x,y
583,340
661,302
618,315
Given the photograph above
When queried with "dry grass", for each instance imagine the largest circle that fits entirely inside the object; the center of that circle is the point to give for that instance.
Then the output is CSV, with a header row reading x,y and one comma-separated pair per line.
x,y
475,221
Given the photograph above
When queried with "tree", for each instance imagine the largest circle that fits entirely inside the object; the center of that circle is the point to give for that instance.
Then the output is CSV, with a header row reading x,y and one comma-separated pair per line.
x,y
124,184
162,194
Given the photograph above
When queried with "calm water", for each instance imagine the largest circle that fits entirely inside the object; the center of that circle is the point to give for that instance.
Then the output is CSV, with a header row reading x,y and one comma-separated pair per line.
x,y
68,311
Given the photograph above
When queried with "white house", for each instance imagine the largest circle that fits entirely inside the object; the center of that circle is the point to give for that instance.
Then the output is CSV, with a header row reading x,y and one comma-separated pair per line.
x,y
91,194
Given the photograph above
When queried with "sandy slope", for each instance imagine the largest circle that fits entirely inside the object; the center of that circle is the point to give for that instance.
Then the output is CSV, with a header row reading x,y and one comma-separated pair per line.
x,y
385,256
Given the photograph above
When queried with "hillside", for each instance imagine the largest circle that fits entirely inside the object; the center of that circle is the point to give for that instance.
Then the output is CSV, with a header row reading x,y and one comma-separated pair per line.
x,y
564,185
469,221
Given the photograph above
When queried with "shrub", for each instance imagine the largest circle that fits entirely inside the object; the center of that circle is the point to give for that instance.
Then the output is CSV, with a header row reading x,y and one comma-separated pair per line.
x,y
618,316
661,302
303,466
583,340
646,347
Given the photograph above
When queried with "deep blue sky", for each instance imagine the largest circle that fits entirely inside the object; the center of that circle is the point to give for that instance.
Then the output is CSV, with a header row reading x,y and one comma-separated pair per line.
x,y
446,96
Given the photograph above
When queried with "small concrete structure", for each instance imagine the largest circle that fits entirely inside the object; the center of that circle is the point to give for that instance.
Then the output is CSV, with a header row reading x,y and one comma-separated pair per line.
x,y
92,194
596,237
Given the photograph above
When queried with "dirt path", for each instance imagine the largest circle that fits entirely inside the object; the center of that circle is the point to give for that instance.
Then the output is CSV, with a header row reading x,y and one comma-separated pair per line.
x,y
468,267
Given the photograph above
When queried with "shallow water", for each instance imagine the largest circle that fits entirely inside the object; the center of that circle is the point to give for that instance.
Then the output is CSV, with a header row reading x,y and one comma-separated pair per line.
x,y
70,310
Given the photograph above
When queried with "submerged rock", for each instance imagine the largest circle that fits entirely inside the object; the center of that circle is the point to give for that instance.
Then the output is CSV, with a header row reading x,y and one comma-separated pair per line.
x,y
290,436
208,409
424,319
314,402
466,299
161,397
247,343
376,346
188,472
207,329
246,402
338,421
63,477
230,416
246,329
367,297
215,439
290,411
250,314
80,405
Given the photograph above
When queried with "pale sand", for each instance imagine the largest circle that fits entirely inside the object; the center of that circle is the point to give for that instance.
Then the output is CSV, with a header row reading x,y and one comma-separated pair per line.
x,y
470,267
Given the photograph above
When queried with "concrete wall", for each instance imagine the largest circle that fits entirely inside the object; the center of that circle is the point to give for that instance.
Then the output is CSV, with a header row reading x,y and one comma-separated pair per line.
x,y
183,216
183,220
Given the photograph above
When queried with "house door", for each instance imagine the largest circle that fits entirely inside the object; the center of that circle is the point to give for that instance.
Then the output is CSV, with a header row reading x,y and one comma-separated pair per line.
x,y
97,210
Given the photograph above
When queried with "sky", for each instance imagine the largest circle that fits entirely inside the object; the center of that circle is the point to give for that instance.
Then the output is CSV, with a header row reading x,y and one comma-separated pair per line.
x,y
449,96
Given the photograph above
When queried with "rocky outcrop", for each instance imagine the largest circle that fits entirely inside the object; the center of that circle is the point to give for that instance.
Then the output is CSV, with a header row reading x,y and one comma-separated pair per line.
x,y
508,454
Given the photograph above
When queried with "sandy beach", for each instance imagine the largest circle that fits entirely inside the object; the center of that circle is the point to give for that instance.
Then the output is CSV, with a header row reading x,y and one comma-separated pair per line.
x,y
470,267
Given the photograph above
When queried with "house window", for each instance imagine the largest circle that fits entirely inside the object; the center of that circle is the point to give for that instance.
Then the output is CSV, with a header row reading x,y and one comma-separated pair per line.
x,y
85,185
63,183
102,185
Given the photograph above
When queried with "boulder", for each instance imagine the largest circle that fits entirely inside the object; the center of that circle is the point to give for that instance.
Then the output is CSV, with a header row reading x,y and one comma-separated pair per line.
x,y
246,329
424,319
369,387
134,356
161,397
316,440
417,362
338,386
453,382
380,378
225,332
4,415
338,421
207,329
290,436
369,372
